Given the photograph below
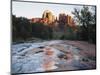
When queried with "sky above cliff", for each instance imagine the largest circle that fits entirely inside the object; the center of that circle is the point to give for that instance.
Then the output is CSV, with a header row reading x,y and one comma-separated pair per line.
x,y
31,9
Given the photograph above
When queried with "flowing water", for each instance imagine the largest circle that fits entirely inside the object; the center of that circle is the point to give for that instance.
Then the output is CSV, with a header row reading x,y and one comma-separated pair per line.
x,y
46,56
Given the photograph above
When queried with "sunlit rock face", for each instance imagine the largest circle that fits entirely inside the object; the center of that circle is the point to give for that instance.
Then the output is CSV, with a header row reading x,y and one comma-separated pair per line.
x,y
49,15
66,21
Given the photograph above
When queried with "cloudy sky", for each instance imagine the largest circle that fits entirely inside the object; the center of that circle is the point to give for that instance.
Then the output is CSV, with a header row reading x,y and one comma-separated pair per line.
x,y
33,9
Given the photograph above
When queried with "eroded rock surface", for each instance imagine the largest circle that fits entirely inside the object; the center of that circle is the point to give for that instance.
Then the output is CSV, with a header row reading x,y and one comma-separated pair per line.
x,y
53,55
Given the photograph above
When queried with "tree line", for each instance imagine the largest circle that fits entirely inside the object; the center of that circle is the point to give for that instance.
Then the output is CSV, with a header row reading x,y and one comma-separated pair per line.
x,y
23,29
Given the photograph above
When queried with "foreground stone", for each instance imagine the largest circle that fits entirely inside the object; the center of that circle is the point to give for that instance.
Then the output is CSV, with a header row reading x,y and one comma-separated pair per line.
x,y
55,55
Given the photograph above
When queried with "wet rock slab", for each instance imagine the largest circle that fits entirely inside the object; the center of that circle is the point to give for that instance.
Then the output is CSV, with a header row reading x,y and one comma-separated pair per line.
x,y
53,55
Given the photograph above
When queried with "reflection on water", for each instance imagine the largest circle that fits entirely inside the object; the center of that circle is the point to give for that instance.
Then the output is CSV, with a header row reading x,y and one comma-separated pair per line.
x,y
49,59
55,59
47,56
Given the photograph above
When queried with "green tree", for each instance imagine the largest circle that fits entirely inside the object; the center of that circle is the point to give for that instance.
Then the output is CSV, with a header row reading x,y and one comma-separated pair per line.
x,y
41,31
85,18
21,28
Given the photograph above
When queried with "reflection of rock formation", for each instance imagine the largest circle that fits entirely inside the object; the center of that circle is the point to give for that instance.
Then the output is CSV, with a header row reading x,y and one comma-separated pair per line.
x,y
48,14
49,59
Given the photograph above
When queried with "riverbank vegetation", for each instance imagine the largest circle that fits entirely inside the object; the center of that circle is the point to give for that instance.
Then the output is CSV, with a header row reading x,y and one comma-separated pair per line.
x,y
23,29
